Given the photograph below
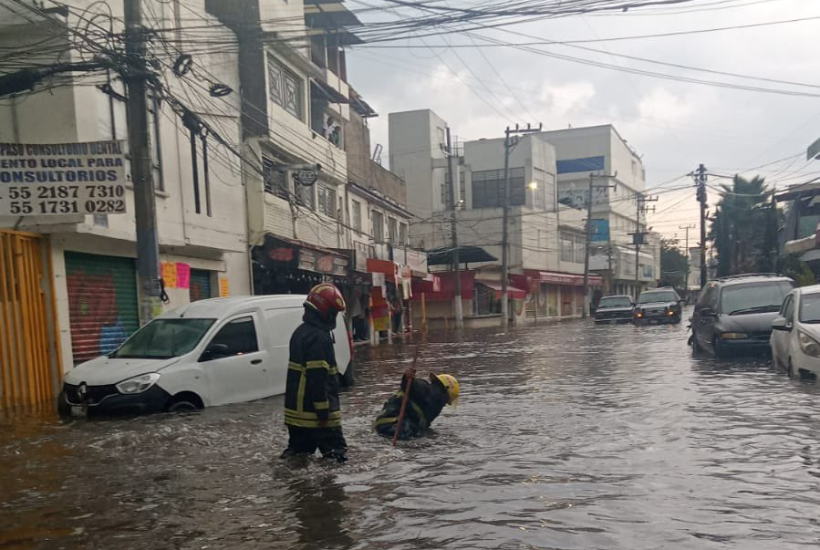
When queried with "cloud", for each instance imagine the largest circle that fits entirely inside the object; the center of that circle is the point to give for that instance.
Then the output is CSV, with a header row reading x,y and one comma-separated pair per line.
x,y
661,105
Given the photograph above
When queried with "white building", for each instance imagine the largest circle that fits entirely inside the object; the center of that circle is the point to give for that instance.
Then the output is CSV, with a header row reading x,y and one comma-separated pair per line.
x,y
601,150
87,264
546,240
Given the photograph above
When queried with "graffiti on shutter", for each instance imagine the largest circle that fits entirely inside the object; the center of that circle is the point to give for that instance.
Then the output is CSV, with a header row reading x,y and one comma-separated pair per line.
x,y
102,299
200,285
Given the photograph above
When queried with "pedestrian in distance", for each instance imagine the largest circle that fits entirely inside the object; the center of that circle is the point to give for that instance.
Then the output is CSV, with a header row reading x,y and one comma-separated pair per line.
x,y
312,412
425,402
397,311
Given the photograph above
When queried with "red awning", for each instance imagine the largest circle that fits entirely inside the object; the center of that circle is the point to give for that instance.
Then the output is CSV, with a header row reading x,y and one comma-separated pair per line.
x,y
383,266
512,291
447,281
556,278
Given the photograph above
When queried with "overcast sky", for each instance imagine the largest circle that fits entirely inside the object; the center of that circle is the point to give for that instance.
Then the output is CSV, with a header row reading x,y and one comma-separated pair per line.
x,y
674,125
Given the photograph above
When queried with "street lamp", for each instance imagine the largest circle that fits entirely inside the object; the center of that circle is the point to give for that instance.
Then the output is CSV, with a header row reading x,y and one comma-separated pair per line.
x,y
533,185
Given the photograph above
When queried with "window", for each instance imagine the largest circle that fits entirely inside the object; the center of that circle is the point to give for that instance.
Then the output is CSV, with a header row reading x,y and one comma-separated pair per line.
x,y
441,136
445,189
488,188
403,233
753,298
572,247
285,88
236,338
305,196
165,338
540,180
378,226
787,310
276,181
357,216
392,230
327,200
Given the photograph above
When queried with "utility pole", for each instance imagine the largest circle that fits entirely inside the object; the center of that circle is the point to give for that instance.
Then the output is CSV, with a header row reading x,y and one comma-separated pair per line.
x,y
700,181
509,145
145,209
454,185
688,266
638,237
590,198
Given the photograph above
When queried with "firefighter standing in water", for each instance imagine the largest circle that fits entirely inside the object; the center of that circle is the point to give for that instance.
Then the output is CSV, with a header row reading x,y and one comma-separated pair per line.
x,y
312,412
424,404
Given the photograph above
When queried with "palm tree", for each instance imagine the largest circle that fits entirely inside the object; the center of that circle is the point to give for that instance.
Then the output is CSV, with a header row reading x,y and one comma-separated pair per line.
x,y
744,228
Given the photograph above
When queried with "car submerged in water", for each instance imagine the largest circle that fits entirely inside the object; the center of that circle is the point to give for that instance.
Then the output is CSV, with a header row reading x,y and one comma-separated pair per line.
x,y
735,314
614,309
659,305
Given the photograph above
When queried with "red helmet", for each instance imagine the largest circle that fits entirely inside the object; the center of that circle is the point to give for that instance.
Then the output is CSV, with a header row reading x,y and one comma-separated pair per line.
x,y
326,300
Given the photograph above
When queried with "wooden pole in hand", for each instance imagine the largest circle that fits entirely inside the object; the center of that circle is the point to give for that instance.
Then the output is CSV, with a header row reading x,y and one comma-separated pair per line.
x,y
404,400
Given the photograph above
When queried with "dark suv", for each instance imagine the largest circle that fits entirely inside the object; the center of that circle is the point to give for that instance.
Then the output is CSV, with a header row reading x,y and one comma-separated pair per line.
x,y
659,305
735,314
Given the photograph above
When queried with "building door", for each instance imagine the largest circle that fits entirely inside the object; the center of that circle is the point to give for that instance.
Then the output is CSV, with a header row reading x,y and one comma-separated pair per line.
x,y
200,285
29,355
102,301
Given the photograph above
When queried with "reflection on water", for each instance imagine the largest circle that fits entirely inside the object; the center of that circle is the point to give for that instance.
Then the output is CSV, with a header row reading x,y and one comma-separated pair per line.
x,y
567,436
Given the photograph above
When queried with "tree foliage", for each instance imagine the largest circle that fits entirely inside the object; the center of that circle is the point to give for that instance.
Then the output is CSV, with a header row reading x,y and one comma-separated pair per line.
x,y
744,228
674,264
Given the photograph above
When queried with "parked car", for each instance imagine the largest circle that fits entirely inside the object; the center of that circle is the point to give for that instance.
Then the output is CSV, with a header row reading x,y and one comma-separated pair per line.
x,y
211,352
659,305
795,340
735,314
614,309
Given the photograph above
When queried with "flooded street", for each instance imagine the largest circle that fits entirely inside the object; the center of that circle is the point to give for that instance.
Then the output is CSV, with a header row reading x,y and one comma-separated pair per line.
x,y
567,437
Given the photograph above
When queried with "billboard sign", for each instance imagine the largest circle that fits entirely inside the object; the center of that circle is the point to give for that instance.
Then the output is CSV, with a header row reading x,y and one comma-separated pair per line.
x,y
62,178
599,231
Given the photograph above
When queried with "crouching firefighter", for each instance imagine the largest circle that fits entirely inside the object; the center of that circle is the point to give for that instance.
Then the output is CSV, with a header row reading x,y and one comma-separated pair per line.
x,y
312,412
424,404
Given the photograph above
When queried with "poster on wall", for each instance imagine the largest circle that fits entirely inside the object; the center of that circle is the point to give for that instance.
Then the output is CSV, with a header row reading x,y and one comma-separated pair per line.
x,y
169,274
224,290
183,275
62,178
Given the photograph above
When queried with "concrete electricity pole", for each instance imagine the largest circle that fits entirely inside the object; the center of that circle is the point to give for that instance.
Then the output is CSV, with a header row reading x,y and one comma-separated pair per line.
x,y
700,180
590,198
145,209
509,145
688,266
454,185
638,237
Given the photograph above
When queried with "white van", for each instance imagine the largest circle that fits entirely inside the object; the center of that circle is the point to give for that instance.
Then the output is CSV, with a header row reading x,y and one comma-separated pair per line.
x,y
208,353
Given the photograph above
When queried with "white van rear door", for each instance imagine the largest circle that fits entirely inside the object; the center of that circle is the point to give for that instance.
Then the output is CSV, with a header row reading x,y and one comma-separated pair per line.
x,y
280,324
342,345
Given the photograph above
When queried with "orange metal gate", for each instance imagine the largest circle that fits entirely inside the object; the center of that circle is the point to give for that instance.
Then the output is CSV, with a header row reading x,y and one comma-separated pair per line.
x,y
29,344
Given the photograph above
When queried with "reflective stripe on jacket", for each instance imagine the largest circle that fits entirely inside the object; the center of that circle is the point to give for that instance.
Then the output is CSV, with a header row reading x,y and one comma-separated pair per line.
x,y
312,393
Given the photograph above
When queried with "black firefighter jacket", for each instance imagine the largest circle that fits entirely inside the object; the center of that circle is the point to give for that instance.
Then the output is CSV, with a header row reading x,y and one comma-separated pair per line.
x,y
312,393
425,403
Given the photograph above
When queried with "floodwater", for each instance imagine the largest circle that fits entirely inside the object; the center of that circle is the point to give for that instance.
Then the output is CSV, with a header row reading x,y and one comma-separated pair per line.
x,y
567,437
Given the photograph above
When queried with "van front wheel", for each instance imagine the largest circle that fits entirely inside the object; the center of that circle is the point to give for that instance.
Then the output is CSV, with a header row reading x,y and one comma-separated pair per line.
x,y
185,403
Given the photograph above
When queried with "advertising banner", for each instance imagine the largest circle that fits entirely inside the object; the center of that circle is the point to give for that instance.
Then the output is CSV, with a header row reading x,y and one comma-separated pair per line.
x,y
63,178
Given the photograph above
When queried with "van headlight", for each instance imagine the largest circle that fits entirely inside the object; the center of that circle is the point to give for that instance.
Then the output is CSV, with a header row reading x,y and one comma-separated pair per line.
x,y
809,345
138,384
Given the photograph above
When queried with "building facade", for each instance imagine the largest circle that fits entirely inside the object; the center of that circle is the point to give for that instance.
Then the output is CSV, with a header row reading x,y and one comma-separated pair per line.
x,y
616,203
87,263
546,239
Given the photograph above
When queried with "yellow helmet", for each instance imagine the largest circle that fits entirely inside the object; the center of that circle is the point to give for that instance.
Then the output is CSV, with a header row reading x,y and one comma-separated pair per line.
x,y
451,384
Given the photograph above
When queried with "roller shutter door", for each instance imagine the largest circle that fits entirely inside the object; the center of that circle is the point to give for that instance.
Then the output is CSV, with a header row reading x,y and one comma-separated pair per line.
x,y
102,298
200,285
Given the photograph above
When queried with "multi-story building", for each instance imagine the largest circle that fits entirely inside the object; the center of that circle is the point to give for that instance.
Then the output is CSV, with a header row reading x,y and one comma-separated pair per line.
x,y
546,239
616,201
71,279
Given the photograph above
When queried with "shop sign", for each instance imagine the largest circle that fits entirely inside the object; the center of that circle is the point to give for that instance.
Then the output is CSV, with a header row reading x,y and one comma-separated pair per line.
x,y
62,178
330,264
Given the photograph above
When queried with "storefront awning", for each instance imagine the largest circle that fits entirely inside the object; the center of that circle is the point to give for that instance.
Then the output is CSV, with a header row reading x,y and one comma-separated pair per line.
x,y
512,291
466,255
282,253
557,278
447,287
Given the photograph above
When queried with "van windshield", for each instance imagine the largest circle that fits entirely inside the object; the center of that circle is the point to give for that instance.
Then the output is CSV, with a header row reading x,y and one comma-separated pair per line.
x,y
753,298
658,296
615,301
164,339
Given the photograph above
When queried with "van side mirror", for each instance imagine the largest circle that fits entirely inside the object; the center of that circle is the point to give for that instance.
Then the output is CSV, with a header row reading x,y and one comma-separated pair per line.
x,y
215,351
707,312
781,323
